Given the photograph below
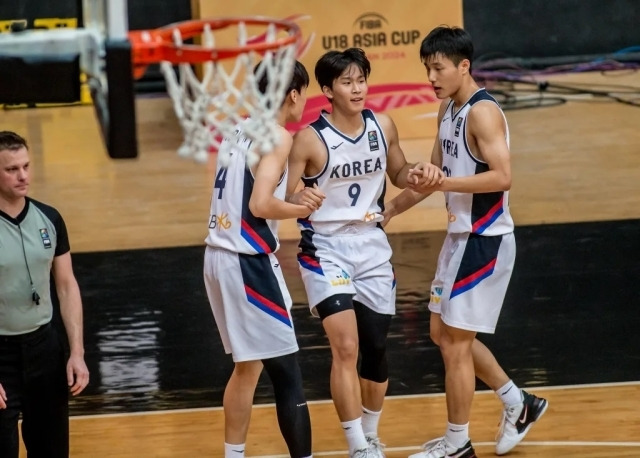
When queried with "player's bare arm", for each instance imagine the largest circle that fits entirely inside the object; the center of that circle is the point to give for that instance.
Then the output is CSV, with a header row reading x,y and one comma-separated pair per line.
x,y
267,174
424,175
307,157
397,165
421,184
422,178
486,135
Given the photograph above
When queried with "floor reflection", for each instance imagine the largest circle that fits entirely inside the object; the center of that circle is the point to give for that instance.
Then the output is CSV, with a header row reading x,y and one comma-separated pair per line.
x,y
570,317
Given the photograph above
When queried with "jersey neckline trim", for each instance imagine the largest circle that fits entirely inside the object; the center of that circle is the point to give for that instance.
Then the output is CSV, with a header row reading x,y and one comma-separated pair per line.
x,y
21,216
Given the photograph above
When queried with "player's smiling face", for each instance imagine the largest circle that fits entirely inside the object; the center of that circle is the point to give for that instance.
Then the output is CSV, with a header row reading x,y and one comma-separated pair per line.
x,y
349,90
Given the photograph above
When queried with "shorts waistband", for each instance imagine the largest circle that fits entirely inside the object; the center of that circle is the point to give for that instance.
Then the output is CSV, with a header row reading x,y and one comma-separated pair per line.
x,y
26,336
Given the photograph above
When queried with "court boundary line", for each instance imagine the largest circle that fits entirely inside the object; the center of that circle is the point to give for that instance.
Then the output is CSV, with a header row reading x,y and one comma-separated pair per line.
x,y
480,444
329,401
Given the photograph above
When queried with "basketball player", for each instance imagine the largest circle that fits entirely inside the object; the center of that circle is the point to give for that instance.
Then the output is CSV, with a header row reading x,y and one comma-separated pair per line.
x,y
477,258
245,285
344,254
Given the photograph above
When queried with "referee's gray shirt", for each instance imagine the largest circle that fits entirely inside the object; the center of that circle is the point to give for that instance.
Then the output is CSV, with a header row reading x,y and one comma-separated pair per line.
x,y
28,244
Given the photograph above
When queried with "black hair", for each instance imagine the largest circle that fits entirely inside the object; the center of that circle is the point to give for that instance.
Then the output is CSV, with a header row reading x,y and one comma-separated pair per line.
x,y
333,63
11,141
299,79
453,43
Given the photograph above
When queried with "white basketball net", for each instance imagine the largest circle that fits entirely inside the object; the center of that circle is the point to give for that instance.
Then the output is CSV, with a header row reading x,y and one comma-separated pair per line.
x,y
210,108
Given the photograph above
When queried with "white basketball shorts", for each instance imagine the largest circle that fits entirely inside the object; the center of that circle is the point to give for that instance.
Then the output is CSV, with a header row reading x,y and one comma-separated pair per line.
x,y
350,263
250,303
471,280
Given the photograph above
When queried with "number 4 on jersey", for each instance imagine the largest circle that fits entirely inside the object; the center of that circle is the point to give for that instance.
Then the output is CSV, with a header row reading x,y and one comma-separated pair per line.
x,y
221,180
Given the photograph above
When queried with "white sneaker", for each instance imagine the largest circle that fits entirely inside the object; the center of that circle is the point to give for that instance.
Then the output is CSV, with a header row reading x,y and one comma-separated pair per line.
x,y
517,420
375,445
440,448
364,453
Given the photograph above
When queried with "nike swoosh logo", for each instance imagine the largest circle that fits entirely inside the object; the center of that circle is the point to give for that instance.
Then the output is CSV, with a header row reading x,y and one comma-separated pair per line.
x,y
508,389
523,416
337,146
238,451
444,119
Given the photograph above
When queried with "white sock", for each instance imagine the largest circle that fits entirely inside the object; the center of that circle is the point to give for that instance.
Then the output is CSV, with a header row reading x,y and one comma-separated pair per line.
x,y
509,394
233,450
370,421
457,435
354,434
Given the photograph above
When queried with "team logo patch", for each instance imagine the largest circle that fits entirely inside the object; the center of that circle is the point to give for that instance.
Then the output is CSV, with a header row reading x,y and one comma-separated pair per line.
x,y
44,235
436,294
458,124
342,279
220,222
373,140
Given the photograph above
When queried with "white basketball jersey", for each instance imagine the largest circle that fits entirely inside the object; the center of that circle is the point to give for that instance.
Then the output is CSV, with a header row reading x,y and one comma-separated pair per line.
x,y
479,213
353,178
231,225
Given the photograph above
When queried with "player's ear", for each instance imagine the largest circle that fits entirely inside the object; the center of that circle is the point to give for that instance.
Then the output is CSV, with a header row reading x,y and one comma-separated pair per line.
x,y
293,95
328,92
465,65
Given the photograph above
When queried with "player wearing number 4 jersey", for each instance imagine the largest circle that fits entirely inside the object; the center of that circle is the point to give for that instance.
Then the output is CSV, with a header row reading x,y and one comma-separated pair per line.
x,y
244,281
344,254
475,264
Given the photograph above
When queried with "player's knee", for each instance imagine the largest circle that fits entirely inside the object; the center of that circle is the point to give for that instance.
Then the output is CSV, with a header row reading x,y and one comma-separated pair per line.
x,y
248,371
345,349
373,365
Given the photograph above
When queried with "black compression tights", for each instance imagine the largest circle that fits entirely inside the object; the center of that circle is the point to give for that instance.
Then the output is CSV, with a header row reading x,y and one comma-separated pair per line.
x,y
291,405
373,328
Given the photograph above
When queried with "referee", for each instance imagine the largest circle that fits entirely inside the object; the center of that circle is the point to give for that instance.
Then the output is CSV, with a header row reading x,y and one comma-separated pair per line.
x,y
35,379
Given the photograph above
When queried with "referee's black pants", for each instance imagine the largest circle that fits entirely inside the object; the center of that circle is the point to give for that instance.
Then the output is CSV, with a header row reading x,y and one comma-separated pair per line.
x,y
33,375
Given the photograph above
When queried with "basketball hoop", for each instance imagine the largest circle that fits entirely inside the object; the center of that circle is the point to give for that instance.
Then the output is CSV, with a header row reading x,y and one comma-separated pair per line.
x,y
210,107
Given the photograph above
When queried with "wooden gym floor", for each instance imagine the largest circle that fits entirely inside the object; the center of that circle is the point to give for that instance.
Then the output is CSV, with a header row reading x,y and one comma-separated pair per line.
x,y
158,371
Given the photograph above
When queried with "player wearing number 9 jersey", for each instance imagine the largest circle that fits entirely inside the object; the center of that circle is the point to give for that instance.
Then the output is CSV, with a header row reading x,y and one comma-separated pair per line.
x,y
344,254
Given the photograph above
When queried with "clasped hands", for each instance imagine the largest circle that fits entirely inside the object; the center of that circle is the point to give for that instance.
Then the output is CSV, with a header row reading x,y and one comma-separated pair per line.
x,y
425,177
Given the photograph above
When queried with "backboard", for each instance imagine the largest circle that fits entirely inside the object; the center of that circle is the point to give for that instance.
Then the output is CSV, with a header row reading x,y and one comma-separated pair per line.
x,y
44,66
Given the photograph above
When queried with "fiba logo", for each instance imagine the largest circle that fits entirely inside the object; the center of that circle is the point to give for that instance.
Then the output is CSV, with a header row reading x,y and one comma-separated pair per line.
x,y
370,35
370,21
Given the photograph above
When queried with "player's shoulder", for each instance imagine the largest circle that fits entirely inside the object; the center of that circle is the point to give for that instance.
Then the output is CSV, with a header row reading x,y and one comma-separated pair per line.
x,y
385,121
443,108
485,108
306,137
286,137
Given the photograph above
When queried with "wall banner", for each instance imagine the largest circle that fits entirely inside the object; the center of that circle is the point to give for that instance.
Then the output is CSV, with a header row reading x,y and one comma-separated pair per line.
x,y
389,32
